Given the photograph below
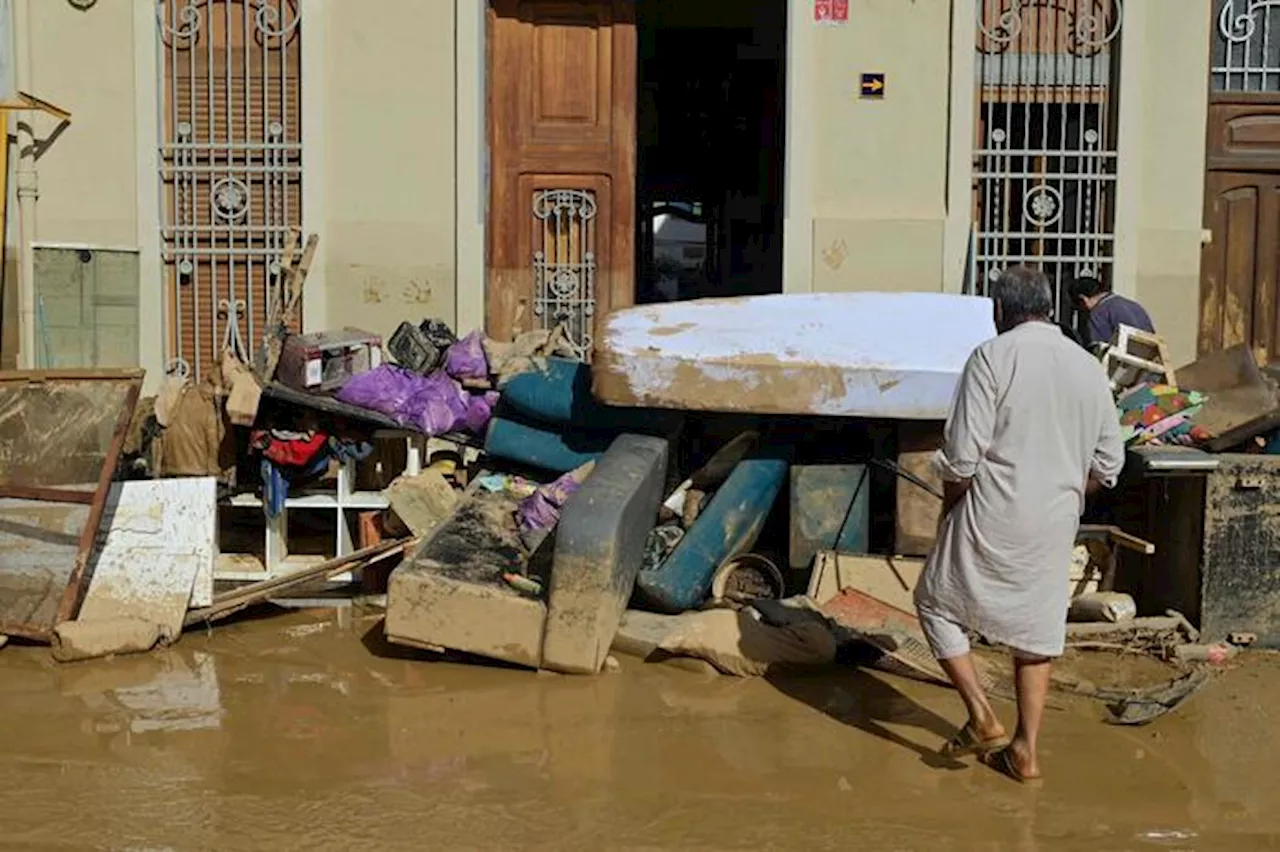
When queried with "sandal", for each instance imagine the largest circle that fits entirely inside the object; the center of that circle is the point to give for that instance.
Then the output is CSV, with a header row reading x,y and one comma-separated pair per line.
x,y
1002,761
966,742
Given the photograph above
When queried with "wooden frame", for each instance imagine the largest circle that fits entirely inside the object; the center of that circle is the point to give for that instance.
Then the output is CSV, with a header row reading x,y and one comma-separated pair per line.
x,y
78,579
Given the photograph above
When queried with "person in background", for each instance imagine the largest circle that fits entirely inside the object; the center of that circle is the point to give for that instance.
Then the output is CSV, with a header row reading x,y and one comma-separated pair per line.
x,y
1032,430
1106,310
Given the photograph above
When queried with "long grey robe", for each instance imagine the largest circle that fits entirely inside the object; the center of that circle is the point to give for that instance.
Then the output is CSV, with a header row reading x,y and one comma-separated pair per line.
x,y
1032,417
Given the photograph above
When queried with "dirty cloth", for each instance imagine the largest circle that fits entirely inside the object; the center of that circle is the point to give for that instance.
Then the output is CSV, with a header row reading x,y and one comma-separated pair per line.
x,y
659,544
197,440
244,392
749,642
527,353
287,448
1031,419
279,477
87,640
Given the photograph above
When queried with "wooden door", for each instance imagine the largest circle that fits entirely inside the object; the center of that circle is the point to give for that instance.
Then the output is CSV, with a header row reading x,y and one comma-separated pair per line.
x,y
1239,266
562,136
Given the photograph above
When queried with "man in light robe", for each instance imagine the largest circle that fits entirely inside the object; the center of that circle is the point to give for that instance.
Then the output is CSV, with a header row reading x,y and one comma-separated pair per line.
x,y
1032,430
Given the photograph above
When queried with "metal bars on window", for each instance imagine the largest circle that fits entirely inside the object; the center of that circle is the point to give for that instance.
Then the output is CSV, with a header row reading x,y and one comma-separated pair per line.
x,y
231,167
1246,46
1047,75
564,264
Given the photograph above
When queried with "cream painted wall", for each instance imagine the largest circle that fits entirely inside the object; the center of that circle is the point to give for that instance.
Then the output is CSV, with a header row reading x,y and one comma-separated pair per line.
x,y
1160,202
880,167
867,180
389,163
84,63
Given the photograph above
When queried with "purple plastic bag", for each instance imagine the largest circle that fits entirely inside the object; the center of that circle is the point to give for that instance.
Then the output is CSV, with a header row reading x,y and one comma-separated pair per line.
x,y
433,404
537,513
466,359
541,509
480,410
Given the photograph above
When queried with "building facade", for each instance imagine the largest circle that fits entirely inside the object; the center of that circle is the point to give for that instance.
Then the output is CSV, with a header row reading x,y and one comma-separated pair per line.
x,y
502,163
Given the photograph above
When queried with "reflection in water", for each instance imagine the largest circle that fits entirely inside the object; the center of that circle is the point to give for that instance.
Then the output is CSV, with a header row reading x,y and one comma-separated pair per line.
x,y
185,698
276,733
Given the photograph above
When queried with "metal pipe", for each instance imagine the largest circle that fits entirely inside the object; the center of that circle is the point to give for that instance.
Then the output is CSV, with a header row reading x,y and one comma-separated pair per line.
x,y
27,182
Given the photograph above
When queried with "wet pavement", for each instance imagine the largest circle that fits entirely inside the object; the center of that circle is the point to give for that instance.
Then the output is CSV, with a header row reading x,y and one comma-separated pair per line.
x,y
295,731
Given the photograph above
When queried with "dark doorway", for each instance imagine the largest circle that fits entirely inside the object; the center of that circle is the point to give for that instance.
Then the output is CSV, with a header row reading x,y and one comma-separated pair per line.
x,y
710,121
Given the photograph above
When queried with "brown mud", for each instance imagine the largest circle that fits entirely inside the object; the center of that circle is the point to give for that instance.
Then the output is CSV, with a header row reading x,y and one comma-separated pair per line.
x,y
301,731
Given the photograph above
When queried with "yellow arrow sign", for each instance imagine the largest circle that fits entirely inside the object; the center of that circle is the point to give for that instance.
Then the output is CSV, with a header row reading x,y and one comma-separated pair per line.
x,y
873,85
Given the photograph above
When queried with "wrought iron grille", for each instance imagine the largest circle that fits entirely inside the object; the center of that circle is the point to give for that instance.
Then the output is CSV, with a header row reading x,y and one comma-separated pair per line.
x,y
1045,148
564,264
231,167
1246,46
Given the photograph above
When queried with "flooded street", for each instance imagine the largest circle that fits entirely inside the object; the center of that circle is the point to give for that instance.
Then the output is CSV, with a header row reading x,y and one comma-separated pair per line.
x,y
296,732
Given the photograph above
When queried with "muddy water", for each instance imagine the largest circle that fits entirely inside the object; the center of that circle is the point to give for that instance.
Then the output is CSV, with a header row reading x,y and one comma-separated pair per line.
x,y
299,732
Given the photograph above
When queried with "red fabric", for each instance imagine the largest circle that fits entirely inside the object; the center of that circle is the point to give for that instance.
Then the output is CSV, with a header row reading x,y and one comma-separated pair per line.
x,y
294,453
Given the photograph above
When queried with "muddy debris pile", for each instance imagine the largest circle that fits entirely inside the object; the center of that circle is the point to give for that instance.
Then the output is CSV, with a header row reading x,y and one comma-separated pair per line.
x,y
513,502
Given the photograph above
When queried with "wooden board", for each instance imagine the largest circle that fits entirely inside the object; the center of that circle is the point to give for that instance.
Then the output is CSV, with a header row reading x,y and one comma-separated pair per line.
x,y
917,511
891,579
830,510
1242,402
157,555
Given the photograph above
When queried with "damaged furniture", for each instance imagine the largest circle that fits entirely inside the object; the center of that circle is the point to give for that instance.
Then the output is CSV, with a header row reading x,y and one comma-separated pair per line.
x,y
884,355
341,501
1214,516
727,527
451,594
61,433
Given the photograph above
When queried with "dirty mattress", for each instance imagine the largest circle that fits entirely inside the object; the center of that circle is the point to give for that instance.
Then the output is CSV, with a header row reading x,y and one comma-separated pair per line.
x,y
891,355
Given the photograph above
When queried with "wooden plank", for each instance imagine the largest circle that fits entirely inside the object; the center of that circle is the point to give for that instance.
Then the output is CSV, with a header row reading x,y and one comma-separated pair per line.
x,y
298,278
1119,537
47,495
79,582
232,602
26,101
917,511
891,579
278,293
37,376
159,542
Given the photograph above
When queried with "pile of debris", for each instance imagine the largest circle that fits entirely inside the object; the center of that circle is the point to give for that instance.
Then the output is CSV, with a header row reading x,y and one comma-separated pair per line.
x,y
123,518
563,510
1222,402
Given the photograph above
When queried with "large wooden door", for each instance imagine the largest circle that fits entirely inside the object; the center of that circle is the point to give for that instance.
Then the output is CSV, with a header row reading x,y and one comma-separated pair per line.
x,y
1239,268
562,136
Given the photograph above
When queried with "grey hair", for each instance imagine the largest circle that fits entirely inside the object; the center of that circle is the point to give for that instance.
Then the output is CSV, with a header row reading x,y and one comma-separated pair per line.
x,y
1024,294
